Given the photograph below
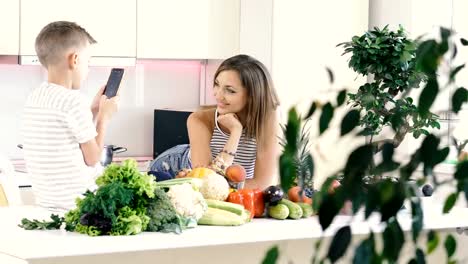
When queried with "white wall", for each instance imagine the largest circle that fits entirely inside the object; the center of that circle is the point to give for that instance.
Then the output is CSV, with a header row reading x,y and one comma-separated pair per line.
x,y
423,18
149,85
305,35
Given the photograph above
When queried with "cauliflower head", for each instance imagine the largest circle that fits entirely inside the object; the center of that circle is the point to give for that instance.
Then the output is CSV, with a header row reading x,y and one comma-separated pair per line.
x,y
215,186
187,202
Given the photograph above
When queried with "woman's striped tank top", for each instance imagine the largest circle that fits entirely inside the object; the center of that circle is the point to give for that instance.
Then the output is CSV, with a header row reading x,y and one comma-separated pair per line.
x,y
246,150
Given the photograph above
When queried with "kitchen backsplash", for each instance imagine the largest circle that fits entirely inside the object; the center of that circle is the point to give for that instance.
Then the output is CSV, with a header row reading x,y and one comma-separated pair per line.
x,y
150,84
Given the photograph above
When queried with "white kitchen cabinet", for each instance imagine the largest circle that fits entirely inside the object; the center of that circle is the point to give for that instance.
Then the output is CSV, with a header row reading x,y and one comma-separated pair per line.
x,y
187,29
9,27
111,23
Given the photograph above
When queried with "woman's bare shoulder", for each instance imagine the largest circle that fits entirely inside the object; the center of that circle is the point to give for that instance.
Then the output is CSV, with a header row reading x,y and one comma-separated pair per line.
x,y
204,116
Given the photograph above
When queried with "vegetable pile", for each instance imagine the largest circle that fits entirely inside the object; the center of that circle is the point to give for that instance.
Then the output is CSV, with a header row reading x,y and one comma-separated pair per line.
x,y
126,202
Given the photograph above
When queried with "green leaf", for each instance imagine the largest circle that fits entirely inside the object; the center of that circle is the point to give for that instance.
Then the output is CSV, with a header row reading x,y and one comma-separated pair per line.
x,y
429,153
417,133
459,98
312,109
418,217
356,166
455,51
271,256
441,155
450,202
387,152
455,71
339,244
427,56
450,245
432,241
372,201
365,252
445,33
428,95
350,121
331,78
462,171
420,257
328,209
340,99
464,42
287,170
325,117
393,239
310,166
292,130
392,198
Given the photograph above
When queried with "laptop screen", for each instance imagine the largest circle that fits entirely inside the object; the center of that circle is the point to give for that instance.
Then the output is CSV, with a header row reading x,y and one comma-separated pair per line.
x,y
170,129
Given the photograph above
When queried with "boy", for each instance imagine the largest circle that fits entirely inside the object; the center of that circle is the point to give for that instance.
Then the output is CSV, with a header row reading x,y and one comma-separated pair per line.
x,y
61,143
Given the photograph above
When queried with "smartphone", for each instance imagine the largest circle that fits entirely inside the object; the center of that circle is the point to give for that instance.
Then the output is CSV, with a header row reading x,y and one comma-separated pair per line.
x,y
113,82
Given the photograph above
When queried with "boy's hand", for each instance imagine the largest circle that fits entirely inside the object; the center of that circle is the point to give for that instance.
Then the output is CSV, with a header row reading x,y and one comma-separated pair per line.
x,y
96,101
107,107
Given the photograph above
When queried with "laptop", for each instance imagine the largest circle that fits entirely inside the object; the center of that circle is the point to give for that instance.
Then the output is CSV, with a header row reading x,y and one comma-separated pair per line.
x,y
170,129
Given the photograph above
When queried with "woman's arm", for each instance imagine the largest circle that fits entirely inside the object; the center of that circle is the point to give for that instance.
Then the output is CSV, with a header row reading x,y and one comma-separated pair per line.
x,y
268,152
200,129
200,132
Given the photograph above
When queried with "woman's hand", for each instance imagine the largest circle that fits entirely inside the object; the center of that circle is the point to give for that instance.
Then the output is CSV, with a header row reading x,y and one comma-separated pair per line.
x,y
231,122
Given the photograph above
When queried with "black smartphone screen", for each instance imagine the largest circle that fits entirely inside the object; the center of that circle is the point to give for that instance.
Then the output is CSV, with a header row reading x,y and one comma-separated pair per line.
x,y
113,82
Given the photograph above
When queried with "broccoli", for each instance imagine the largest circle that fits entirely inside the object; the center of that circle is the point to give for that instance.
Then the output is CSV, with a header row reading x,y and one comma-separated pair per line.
x,y
163,217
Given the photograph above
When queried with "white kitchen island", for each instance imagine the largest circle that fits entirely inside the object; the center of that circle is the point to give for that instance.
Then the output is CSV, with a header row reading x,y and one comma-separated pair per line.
x,y
204,244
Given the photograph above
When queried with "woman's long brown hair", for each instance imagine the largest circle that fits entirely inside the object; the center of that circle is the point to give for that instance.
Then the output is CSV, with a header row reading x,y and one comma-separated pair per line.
x,y
261,95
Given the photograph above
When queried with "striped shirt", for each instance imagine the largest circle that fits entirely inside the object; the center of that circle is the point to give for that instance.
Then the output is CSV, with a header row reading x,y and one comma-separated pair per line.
x,y
56,120
246,153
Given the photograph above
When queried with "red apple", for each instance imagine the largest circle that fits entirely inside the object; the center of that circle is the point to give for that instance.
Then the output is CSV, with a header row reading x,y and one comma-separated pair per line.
x,y
236,173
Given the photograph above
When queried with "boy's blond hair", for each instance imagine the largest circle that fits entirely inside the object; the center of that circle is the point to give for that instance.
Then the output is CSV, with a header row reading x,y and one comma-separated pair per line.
x,y
57,37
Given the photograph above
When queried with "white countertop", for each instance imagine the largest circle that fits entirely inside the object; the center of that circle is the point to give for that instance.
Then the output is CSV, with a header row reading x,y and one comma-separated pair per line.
x,y
27,245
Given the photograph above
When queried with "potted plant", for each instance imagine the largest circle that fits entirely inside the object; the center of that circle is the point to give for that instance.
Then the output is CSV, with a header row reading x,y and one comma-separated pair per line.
x,y
389,57
384,197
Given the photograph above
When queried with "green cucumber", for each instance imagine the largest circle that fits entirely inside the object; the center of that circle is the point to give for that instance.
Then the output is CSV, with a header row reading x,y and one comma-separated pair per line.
x,y
246,216
279,211
306,209
196,183
219,217
295,211
227,206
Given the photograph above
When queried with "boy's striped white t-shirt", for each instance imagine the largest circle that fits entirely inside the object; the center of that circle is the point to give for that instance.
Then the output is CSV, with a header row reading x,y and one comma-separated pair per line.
x,y
56,120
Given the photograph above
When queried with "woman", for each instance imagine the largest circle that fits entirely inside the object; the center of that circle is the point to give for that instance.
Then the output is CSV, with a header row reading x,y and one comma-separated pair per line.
x,y
242,129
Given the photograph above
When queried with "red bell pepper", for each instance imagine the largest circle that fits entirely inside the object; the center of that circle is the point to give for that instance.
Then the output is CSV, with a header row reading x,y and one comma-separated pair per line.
x,y
259,203
244,197
235,197
248,200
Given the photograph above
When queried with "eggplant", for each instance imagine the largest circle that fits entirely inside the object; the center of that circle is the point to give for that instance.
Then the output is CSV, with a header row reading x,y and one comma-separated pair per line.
x,y
427,190
273,194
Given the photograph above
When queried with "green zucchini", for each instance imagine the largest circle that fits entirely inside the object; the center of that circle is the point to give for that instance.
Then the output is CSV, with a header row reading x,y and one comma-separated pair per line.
x,y
227,206
279,211
295,211
219,217
306,209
